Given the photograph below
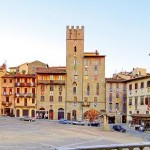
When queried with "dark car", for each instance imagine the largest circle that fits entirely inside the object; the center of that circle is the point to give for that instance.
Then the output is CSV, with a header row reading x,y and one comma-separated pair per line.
x,y
63,121
27,118
119,128
94,123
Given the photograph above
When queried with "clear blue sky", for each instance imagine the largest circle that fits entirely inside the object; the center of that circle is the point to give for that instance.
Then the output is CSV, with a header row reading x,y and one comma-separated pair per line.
x,y
36,30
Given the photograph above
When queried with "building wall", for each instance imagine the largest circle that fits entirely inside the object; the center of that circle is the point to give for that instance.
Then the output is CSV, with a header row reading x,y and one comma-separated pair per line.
x,y
112,89
74,67
77,83
43,89
135,104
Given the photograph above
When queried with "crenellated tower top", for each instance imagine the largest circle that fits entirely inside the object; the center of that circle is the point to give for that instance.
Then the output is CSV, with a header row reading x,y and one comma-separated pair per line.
x,y
75,33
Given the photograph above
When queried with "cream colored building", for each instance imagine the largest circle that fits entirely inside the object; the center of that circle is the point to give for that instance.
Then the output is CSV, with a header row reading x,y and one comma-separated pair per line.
x,y
116,98
138,99
85,82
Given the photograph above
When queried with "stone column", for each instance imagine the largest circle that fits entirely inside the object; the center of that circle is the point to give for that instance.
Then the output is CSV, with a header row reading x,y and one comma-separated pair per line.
x,y
106,125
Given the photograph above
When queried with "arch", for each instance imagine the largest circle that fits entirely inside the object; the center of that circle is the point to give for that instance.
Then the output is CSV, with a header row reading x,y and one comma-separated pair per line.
x,y
74,114
91,114
33,113
17,113
42,108
60,113
51,114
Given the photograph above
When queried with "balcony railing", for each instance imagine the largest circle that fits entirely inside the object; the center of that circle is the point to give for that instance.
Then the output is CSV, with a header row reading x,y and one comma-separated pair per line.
x,y
25,95
85,104
19,84
59,82
4,103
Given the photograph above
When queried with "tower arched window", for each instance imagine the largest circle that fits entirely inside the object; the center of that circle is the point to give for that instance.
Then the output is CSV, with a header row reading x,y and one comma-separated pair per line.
x,y
97,89
88,89
75,49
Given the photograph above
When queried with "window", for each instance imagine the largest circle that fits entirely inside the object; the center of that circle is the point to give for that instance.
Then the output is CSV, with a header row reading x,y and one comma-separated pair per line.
x,y
124,107
85,72
75,49
60,88
95,70
137,112
95,62
136,85
130,101
42,77
25,80
60,77
136,101
42,98
142,100
10,80
4,80
51,99
147,112
59,98
25,102
130,87
7,99
88,89
33,100
10,91
51,88
86,62
110,97
148,83
51,77
97,89
110,107
142,84
74,90
17,100
130,112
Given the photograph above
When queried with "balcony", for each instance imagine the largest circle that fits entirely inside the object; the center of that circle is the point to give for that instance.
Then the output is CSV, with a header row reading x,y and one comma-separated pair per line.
x,y
7,104
52,82
19,84
28,95
85,104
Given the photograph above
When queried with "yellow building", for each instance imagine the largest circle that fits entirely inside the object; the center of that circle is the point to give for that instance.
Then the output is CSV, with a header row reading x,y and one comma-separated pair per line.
x,y
51,92
25,95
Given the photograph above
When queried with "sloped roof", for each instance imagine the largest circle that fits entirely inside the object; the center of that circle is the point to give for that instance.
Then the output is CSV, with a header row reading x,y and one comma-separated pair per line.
x,y
52,70
114,80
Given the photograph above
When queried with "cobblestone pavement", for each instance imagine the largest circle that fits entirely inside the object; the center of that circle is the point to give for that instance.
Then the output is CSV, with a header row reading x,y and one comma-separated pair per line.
x,y
45,134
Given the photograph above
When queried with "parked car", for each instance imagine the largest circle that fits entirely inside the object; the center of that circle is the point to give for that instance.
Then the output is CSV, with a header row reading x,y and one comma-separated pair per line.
x,y
94,123
63,121
78,123
119,128
27,118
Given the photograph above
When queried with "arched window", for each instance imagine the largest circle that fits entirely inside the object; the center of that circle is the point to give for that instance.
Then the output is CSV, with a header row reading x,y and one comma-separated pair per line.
x,y
88,89
75,49
97,89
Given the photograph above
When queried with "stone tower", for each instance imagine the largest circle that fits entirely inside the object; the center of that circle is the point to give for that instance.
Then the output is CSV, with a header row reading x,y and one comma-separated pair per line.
x,y
74,67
